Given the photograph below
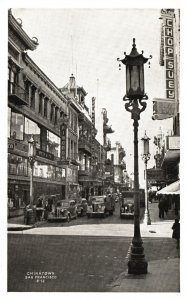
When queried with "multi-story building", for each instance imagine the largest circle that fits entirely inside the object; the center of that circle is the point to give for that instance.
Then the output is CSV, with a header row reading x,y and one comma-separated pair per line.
x,y
36,107
90,151
168,147
117,154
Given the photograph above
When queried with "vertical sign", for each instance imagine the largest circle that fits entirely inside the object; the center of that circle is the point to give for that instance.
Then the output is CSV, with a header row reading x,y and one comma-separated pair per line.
x,y
63,141
93,132
168,27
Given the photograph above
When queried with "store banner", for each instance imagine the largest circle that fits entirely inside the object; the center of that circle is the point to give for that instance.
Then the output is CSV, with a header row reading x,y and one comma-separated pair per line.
x,y
163,109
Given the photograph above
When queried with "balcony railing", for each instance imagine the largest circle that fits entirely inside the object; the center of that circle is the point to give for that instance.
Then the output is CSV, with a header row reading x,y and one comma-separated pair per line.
x,y
83,143
17,94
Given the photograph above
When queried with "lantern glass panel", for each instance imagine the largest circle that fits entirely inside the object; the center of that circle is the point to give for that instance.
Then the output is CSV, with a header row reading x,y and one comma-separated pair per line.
x,y
135,78
146,146
142,78
128,79
30,149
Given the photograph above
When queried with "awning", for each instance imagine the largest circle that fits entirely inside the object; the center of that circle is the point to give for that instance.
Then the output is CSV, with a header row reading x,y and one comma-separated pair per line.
x,y
171,189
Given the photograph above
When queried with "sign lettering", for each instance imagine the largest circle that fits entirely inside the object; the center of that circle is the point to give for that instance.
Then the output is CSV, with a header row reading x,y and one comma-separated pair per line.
x,y
44,154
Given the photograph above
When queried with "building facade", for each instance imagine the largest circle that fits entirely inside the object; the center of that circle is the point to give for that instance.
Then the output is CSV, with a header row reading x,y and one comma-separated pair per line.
x,y
168,146
35,107
90,152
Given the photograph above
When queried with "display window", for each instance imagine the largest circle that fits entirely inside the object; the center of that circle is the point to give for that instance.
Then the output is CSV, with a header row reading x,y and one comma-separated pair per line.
x,y
17,165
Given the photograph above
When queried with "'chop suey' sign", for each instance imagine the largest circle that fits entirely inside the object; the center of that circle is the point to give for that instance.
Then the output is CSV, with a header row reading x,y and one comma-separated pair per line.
x,y
168,27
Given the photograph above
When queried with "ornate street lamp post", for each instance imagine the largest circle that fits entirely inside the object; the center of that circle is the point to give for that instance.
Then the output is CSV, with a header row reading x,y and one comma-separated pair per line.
x,y
134,104
31,158
146,156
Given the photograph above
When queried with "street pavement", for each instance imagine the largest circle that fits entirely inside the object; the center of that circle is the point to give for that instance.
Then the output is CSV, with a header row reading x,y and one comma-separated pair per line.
x,y
93,257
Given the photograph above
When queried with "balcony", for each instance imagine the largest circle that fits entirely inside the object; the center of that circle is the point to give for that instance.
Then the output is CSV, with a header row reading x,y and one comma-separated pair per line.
x,y
85,172
84,144
107,129
17,94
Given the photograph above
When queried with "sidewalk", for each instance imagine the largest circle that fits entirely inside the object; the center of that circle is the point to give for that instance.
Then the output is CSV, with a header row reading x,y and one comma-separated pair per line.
x,y
163,274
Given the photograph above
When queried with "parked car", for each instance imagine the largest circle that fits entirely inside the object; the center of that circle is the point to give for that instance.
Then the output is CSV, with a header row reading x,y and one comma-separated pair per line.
x,y
127,208
63,210
81,207
101,206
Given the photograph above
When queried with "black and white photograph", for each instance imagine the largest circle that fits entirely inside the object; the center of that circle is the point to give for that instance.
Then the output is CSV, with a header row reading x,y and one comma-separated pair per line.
x,y
92,132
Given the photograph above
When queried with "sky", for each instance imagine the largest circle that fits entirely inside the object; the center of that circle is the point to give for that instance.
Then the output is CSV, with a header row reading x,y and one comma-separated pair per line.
x,y
87,43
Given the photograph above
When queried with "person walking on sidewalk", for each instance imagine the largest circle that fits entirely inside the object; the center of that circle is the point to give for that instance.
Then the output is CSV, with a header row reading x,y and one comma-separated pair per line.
x,y
161,209
176,232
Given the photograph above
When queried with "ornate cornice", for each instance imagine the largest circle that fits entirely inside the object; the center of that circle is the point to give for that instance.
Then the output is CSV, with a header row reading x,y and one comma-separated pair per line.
x,y
17,28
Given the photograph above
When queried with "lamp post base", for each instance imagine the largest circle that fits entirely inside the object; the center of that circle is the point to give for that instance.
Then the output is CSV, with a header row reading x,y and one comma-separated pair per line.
x,y
137,267
137,263
147,220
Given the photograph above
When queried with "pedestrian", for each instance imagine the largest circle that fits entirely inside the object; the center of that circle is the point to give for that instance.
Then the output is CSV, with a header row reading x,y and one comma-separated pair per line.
x,y
176,232
46,210
161,209
166,206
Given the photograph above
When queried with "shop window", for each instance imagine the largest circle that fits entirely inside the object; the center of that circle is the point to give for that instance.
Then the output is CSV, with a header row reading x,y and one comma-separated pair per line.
x,y
17,165
9,121
44,171
17,126
32,129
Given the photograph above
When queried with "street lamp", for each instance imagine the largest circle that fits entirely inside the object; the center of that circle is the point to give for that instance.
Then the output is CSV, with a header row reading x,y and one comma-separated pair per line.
x,y
134,104
146,156
31,158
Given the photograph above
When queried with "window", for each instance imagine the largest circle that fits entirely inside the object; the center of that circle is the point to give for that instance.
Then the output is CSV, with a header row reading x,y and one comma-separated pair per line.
x,y
33,91
9,121
17,125
13,76
17,165
53,144
44,171
40,103
27,85
52,112
45,107
56,111
31,128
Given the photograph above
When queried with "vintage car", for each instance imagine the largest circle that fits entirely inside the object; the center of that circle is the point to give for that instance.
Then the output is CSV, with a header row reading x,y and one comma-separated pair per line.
x,y
63,210
101,206
81,207
127,208
96,207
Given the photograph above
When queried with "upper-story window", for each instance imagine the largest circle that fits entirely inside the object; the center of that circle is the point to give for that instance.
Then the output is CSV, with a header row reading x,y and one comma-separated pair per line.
x,y
16,125
56,112
45,107
52,112
33,94
13,78
41,96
